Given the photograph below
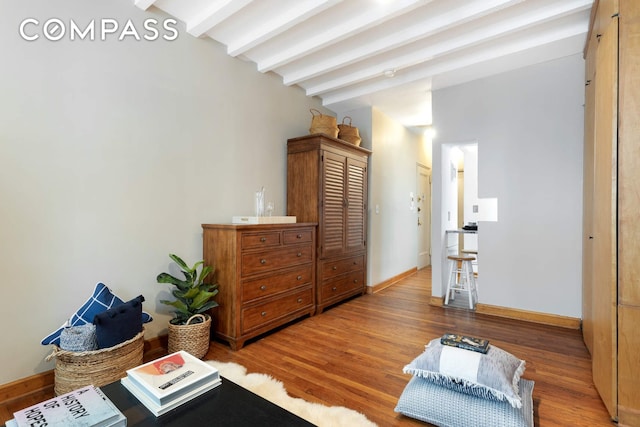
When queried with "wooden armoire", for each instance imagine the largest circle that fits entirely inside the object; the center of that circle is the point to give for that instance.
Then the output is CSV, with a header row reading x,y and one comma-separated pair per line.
x,y
327,184
611,241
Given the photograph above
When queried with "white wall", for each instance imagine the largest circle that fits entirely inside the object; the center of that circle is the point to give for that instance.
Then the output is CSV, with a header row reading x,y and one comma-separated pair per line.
x,y
392,246
444,214
529,128
392,231
112,155
470,153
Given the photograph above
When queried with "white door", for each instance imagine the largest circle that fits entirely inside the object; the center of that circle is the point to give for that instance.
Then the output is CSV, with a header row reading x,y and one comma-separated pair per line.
x,y
423,212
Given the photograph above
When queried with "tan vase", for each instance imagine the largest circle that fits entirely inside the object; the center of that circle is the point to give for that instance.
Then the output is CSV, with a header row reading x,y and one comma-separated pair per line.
x,y
194,338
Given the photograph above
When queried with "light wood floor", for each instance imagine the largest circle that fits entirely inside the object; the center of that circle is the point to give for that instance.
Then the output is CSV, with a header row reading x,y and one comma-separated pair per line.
x,y
352,355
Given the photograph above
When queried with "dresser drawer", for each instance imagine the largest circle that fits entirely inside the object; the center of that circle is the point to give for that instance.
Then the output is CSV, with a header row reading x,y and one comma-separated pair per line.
x,y
258,315
342,285
297,236
341,266
260,240
275,259
271,285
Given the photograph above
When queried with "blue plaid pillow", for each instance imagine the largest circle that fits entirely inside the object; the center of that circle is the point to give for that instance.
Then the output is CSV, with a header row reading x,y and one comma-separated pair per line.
x,y
101,300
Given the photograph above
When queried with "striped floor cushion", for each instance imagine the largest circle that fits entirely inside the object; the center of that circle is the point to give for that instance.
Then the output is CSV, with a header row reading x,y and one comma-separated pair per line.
x,y
441,406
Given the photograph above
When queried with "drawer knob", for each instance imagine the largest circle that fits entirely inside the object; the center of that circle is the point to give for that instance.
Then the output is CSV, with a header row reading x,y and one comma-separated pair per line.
x,y
355,262
334,289
264,313
299,236
263,287
299,277
334,268
355,280
263,261
263,239
299,300
299,254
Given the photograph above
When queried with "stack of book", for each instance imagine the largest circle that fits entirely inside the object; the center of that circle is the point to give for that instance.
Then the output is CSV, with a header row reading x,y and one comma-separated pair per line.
x,y
166,383
86,407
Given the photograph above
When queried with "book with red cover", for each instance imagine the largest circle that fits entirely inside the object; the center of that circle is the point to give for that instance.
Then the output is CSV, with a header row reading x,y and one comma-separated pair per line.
x,y
169,378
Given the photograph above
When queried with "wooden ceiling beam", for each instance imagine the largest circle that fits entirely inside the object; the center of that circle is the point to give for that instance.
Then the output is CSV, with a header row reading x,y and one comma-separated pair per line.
x,y
144,4
475,57
215,14
347,27
297,13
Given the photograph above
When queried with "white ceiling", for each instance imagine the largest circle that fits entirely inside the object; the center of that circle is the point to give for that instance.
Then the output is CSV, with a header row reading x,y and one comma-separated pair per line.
x,y
339,50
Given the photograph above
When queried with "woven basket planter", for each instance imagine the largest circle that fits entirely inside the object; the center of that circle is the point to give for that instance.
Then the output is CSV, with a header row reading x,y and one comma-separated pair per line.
x,y
75,369
349,133
194,338
321,123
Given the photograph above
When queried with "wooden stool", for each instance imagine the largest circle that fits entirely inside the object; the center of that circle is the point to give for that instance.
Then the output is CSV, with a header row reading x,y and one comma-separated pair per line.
x,y
474,263
461,279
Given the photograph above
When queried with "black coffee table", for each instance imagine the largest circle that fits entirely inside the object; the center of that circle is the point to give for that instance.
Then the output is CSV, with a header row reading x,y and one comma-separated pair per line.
x,y
226,405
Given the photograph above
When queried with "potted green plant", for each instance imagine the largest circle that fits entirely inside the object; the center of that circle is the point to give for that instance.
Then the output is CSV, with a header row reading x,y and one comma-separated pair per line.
x,y
190,329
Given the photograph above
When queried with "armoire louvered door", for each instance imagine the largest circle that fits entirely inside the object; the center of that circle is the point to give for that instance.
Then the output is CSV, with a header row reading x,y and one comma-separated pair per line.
x,y
333,204
356,232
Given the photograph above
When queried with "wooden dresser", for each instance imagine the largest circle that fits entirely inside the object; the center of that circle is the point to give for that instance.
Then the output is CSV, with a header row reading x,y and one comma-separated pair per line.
x,y
327,184
265,273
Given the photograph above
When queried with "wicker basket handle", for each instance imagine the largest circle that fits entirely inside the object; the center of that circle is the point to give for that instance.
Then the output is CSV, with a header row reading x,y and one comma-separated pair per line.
x,y
312,110
195,316
53,354
344,118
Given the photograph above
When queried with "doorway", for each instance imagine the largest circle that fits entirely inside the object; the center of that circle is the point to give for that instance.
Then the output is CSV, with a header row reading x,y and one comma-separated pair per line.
x,y
423,212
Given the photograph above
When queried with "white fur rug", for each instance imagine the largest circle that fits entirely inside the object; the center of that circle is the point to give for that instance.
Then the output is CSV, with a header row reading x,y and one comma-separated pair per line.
x,y
273,390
